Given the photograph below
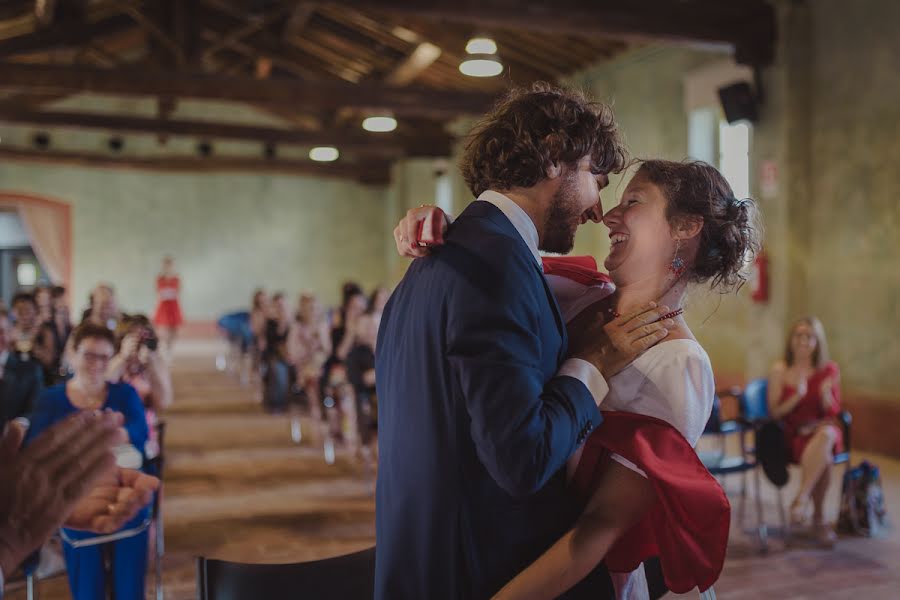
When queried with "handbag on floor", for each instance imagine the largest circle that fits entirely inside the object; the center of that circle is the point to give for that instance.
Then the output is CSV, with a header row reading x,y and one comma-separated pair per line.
x,y
863,510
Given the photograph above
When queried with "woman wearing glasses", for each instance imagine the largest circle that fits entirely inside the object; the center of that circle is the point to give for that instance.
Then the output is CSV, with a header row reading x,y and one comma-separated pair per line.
x,y
93,348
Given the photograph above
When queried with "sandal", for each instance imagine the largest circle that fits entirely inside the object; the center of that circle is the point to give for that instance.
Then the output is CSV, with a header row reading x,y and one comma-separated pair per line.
x,y
825,536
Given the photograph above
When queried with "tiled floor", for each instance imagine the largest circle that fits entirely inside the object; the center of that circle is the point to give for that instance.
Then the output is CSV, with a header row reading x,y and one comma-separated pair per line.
x,y
238,488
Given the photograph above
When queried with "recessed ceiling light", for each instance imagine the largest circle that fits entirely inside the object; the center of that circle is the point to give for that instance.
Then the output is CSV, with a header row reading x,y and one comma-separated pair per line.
x,y
380,124
324,154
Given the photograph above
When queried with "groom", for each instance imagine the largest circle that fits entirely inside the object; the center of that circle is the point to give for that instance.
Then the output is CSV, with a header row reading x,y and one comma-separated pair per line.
x,y
479,408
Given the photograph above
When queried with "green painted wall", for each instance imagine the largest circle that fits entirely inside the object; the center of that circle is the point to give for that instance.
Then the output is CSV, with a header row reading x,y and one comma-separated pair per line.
x,y
646,90
853,209
831,124
229,233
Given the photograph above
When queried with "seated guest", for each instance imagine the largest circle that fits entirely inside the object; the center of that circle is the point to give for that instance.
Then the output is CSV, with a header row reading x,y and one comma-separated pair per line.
x,y
259,314
104,308
26,325
360,365
805,393
53,332
139,364
82,484
93,348
20,380
309,345
275,355
343,329
43,298
377,302
61,318
58,329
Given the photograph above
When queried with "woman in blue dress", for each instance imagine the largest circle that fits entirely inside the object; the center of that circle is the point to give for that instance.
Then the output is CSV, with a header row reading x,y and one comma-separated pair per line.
x,y
94,346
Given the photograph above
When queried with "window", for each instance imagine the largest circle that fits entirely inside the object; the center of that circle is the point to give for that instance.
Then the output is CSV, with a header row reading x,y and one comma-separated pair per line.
x,y
734,156
443,192
727,146
26,274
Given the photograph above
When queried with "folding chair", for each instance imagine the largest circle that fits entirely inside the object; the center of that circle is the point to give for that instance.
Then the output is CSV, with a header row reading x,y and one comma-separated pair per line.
x,y
347,577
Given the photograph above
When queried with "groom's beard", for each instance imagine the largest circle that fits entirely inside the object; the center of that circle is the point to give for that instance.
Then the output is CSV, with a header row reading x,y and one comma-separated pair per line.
x,y
563,219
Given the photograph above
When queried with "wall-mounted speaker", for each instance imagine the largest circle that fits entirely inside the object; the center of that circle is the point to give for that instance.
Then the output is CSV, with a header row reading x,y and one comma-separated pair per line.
x,y
740,102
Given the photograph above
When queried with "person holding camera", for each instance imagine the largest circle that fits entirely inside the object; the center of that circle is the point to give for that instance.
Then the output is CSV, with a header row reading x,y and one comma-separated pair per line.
x,y
140,364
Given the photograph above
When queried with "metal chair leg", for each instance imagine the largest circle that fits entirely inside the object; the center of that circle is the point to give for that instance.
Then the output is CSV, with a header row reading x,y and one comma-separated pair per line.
x,y
709,594
160,551
762,529
30,588
785,527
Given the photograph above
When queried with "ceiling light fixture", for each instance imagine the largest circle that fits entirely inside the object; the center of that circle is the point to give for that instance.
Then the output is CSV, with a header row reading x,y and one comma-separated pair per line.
x,y
481,45
324,154
482,60
380,124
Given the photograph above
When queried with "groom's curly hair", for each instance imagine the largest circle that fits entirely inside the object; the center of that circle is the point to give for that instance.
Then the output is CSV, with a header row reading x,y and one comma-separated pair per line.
x,y
532,129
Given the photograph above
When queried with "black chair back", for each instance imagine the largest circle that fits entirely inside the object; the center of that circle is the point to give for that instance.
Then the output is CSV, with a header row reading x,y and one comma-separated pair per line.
x,y
347,577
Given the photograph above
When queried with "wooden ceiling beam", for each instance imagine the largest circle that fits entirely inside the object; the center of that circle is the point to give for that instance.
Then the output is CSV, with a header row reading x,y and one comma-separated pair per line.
x,y
747,26
299,18
374,172
242,32
60,36
422,57
276,92
157,33
360,143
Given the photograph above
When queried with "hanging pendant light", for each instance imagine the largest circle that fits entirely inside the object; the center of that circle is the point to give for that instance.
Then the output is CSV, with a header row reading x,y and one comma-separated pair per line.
x,y
482,59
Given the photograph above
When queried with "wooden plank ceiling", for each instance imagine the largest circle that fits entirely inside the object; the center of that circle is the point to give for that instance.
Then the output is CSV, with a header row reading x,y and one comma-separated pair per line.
x,y
320,68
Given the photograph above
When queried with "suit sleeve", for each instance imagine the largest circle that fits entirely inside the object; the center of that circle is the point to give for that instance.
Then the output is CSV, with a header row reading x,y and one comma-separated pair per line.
x,y
524,429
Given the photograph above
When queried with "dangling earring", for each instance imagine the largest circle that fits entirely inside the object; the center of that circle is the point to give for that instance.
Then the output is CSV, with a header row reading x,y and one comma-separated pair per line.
x,y
677,266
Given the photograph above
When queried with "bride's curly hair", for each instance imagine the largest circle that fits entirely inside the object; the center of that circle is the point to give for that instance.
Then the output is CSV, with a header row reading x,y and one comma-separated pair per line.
x,y
532,129
731,234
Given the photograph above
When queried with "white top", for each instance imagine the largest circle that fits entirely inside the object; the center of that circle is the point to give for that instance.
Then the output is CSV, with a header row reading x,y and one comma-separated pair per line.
x,y
672,381
581,370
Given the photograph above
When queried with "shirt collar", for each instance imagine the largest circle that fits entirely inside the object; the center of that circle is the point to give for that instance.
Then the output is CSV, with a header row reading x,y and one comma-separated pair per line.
x,y
519,219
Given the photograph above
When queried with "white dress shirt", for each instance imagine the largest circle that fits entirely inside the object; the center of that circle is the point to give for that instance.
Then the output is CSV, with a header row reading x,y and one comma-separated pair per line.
x,y
581,370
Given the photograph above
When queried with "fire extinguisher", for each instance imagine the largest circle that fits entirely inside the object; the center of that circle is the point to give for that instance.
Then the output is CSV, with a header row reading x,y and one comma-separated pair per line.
x,y
759,280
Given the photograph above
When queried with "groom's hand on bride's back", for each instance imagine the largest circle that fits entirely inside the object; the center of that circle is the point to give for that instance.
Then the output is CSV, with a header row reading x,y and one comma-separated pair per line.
x,y
614,345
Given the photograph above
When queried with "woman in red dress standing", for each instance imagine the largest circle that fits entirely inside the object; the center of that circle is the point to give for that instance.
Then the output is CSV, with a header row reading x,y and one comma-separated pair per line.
x,y
805,393
168,316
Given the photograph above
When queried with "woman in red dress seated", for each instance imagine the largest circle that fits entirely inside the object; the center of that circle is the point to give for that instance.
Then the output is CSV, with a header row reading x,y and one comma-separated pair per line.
x,y
804,392
168,316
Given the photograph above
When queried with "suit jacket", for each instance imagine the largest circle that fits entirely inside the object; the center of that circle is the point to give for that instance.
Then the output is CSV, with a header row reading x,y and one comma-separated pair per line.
x,y
474,426
19,388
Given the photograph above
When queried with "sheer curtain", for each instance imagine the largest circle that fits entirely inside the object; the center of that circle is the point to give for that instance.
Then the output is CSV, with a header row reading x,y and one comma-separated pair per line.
x,y
48,224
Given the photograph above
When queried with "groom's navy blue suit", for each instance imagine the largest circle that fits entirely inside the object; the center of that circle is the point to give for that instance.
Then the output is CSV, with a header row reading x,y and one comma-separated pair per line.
x,y
474,426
